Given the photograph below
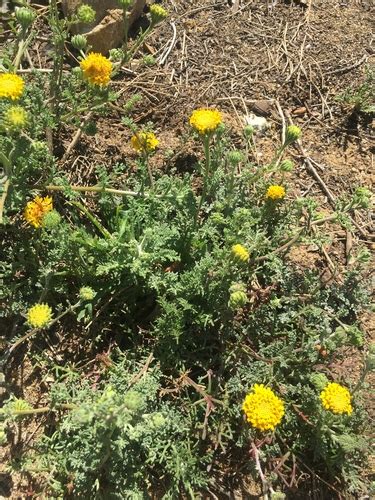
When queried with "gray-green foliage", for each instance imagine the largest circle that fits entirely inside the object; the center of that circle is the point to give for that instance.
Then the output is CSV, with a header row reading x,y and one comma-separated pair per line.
x,y
120,439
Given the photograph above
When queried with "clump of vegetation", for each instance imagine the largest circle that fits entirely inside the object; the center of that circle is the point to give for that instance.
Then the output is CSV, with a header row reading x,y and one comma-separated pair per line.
x,y
223,345
361,98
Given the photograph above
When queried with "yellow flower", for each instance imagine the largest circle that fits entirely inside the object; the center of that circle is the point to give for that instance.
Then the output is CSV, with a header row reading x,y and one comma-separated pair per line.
x,y
263,409
158,13
144,142
15,118
39,315
35,210
96,69
275,192
336,398
239,252
205,121
11,86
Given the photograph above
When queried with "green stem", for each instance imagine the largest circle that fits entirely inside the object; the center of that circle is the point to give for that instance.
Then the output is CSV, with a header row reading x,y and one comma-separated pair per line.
x,y
44,409
94,189
92,218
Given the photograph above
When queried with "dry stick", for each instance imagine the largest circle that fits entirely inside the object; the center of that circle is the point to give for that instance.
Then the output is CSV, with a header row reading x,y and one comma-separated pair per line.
x,y
265,484
311,169
76,137
345,69
164,57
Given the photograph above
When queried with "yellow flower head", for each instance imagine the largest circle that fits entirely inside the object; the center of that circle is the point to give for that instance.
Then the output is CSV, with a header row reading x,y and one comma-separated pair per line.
x,y
36,209
15,118
158,13
11,86
263,409
240,253
275,192
96,69
336,398
39,315
205,121
144,142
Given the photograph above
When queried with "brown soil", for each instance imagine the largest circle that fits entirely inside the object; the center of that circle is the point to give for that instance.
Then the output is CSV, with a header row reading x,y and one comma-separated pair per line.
x,y
296,57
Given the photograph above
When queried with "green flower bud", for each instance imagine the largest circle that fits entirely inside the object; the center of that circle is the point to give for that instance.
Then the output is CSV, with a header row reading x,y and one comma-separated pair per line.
x,y
157,420
15,118
125,4
286,166
277,495
86,14
234,157
292,134
319,381
39,147
79,42
158,14
86,293
218,218
51,219
248,131
149,60
237,300
133,401
116,55
25,17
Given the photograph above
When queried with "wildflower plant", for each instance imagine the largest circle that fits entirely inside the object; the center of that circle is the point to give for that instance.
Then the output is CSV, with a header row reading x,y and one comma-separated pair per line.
x,y
216,344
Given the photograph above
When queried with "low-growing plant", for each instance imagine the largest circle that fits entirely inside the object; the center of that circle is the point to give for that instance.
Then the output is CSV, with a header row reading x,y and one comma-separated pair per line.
x,y
225,345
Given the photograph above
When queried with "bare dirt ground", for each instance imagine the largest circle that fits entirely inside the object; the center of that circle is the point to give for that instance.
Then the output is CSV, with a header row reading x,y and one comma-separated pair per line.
x,y
287,61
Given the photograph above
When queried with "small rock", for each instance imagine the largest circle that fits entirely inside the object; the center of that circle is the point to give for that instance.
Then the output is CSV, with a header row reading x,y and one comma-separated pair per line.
x,y
107,31
258,122
262,108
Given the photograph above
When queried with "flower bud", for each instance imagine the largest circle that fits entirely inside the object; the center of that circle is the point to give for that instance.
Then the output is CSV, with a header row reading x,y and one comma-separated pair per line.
x,y
79,42
234,157
286,166
248,131
86,293
292,134
51,219
15,118
125,4
133,401
25,17
238,297
86,14
319,381
116,55
158,14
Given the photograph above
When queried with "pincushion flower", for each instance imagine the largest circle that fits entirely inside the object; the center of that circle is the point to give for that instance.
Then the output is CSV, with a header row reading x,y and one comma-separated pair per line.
x,y
36,209
39,315
275,192
240,253
263,409
11,86
144,142
158,13
336,398
205,121
15,118
292,133
96,69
